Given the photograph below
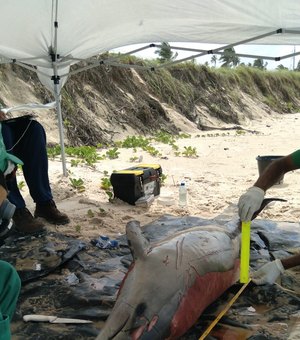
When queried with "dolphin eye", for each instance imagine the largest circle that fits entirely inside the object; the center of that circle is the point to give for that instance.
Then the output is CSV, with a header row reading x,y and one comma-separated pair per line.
x,y
140,309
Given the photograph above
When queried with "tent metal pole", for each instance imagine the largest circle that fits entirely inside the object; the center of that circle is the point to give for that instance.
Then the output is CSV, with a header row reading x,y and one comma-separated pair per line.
x,y
245,41
56,79
60,128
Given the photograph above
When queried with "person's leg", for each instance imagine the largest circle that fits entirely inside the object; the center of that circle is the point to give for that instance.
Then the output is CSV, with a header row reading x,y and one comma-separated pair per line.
x,y
32,150
10,285
24,222
9,139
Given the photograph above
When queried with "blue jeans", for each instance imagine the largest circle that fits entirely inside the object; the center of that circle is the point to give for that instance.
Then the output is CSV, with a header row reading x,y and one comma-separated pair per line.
x,y
27,140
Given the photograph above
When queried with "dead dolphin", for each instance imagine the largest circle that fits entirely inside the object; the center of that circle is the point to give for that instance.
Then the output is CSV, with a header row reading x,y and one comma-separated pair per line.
x,y
171,282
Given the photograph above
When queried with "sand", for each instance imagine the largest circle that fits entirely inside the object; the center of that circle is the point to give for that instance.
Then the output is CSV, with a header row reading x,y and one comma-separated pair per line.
x,y
225,167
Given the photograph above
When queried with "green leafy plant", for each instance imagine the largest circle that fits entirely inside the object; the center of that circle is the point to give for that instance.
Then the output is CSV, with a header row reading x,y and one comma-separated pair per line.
x,y
112,153
53,151
163,178
135,142
75,162
86,153
184,135
239,132
190,152
77,184
152,151
102,212
21,185
107,187
164,137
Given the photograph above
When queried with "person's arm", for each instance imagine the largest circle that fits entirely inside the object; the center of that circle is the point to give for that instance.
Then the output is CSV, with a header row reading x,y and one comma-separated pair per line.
x,y
276,169
270,272
291,262
252,199
2,116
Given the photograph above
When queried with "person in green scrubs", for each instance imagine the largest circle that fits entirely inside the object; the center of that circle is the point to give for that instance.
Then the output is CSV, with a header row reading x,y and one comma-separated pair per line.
x,y
10,285
251,201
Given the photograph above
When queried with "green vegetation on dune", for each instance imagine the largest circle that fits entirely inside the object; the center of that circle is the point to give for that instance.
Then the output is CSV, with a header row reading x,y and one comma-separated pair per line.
x,y
99,103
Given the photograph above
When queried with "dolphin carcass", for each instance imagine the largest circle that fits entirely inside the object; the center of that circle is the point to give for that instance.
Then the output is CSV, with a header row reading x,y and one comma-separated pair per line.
x,y
170,283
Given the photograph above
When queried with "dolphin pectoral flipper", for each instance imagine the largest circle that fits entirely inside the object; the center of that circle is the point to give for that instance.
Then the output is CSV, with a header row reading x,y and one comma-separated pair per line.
x,y
138,244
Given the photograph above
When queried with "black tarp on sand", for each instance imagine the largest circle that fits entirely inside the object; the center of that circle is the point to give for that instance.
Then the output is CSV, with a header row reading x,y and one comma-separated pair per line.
x,y
70,278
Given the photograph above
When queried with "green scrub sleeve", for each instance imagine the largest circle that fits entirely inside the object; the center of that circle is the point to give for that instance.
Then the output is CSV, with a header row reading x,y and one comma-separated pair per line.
x,y
10,285
296,158
4,328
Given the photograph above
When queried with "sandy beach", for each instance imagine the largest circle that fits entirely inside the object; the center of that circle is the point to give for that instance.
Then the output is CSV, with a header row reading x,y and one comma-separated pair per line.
x,y
225,167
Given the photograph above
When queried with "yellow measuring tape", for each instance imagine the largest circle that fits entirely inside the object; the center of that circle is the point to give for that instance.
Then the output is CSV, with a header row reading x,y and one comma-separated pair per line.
x,y
217,319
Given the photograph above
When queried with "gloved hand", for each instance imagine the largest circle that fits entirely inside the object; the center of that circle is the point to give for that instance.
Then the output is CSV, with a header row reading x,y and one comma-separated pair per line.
x,y
11,168
250,202
268,273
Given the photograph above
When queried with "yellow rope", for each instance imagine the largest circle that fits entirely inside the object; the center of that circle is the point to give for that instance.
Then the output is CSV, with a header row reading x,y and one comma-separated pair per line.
x,y
217,319
287,290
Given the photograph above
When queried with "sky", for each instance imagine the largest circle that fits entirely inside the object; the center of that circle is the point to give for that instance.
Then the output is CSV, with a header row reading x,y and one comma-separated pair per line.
x,y
258,50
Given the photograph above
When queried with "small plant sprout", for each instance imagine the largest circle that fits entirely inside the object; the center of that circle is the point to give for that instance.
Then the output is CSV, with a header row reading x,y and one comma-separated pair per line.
x,y
78,228
133,158
90,213
163,178
102,212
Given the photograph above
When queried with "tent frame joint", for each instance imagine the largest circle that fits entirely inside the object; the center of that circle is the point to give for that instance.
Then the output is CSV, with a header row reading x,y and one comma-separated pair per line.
x,y
55,79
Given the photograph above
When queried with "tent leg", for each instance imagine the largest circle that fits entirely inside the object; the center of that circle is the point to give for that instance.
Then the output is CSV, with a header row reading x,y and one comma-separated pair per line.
x,y
61,129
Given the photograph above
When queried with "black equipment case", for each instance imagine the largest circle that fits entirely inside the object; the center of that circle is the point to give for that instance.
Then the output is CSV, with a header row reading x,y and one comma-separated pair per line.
x,y
133,183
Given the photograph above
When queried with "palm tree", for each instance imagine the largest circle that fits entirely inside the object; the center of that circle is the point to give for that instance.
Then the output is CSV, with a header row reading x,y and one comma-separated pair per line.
x,y
213,60
298,67
229,58
281,67
259,63
165,53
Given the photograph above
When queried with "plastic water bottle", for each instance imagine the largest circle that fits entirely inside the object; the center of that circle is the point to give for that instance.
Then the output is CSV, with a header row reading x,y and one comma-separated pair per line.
x,y
182,194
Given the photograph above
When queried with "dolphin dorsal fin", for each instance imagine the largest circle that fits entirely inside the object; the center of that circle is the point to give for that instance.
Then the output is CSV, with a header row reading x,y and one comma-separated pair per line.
x,y
138,244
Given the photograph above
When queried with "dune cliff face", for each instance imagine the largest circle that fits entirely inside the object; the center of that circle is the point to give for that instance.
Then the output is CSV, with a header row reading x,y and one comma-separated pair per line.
x,y
105,104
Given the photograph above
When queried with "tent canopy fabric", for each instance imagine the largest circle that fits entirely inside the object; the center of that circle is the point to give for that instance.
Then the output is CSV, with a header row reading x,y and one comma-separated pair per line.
x,y
75,30
49,36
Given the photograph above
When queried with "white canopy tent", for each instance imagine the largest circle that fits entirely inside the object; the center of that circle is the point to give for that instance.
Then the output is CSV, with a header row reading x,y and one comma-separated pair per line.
x,y
49,36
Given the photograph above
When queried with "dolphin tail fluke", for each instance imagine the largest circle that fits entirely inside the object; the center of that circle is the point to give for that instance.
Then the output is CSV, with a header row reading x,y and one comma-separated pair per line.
x,y
138,244
115,324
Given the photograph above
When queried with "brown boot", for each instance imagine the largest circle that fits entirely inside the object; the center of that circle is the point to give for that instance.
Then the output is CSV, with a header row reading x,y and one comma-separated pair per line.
x,y
50,213
25,223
